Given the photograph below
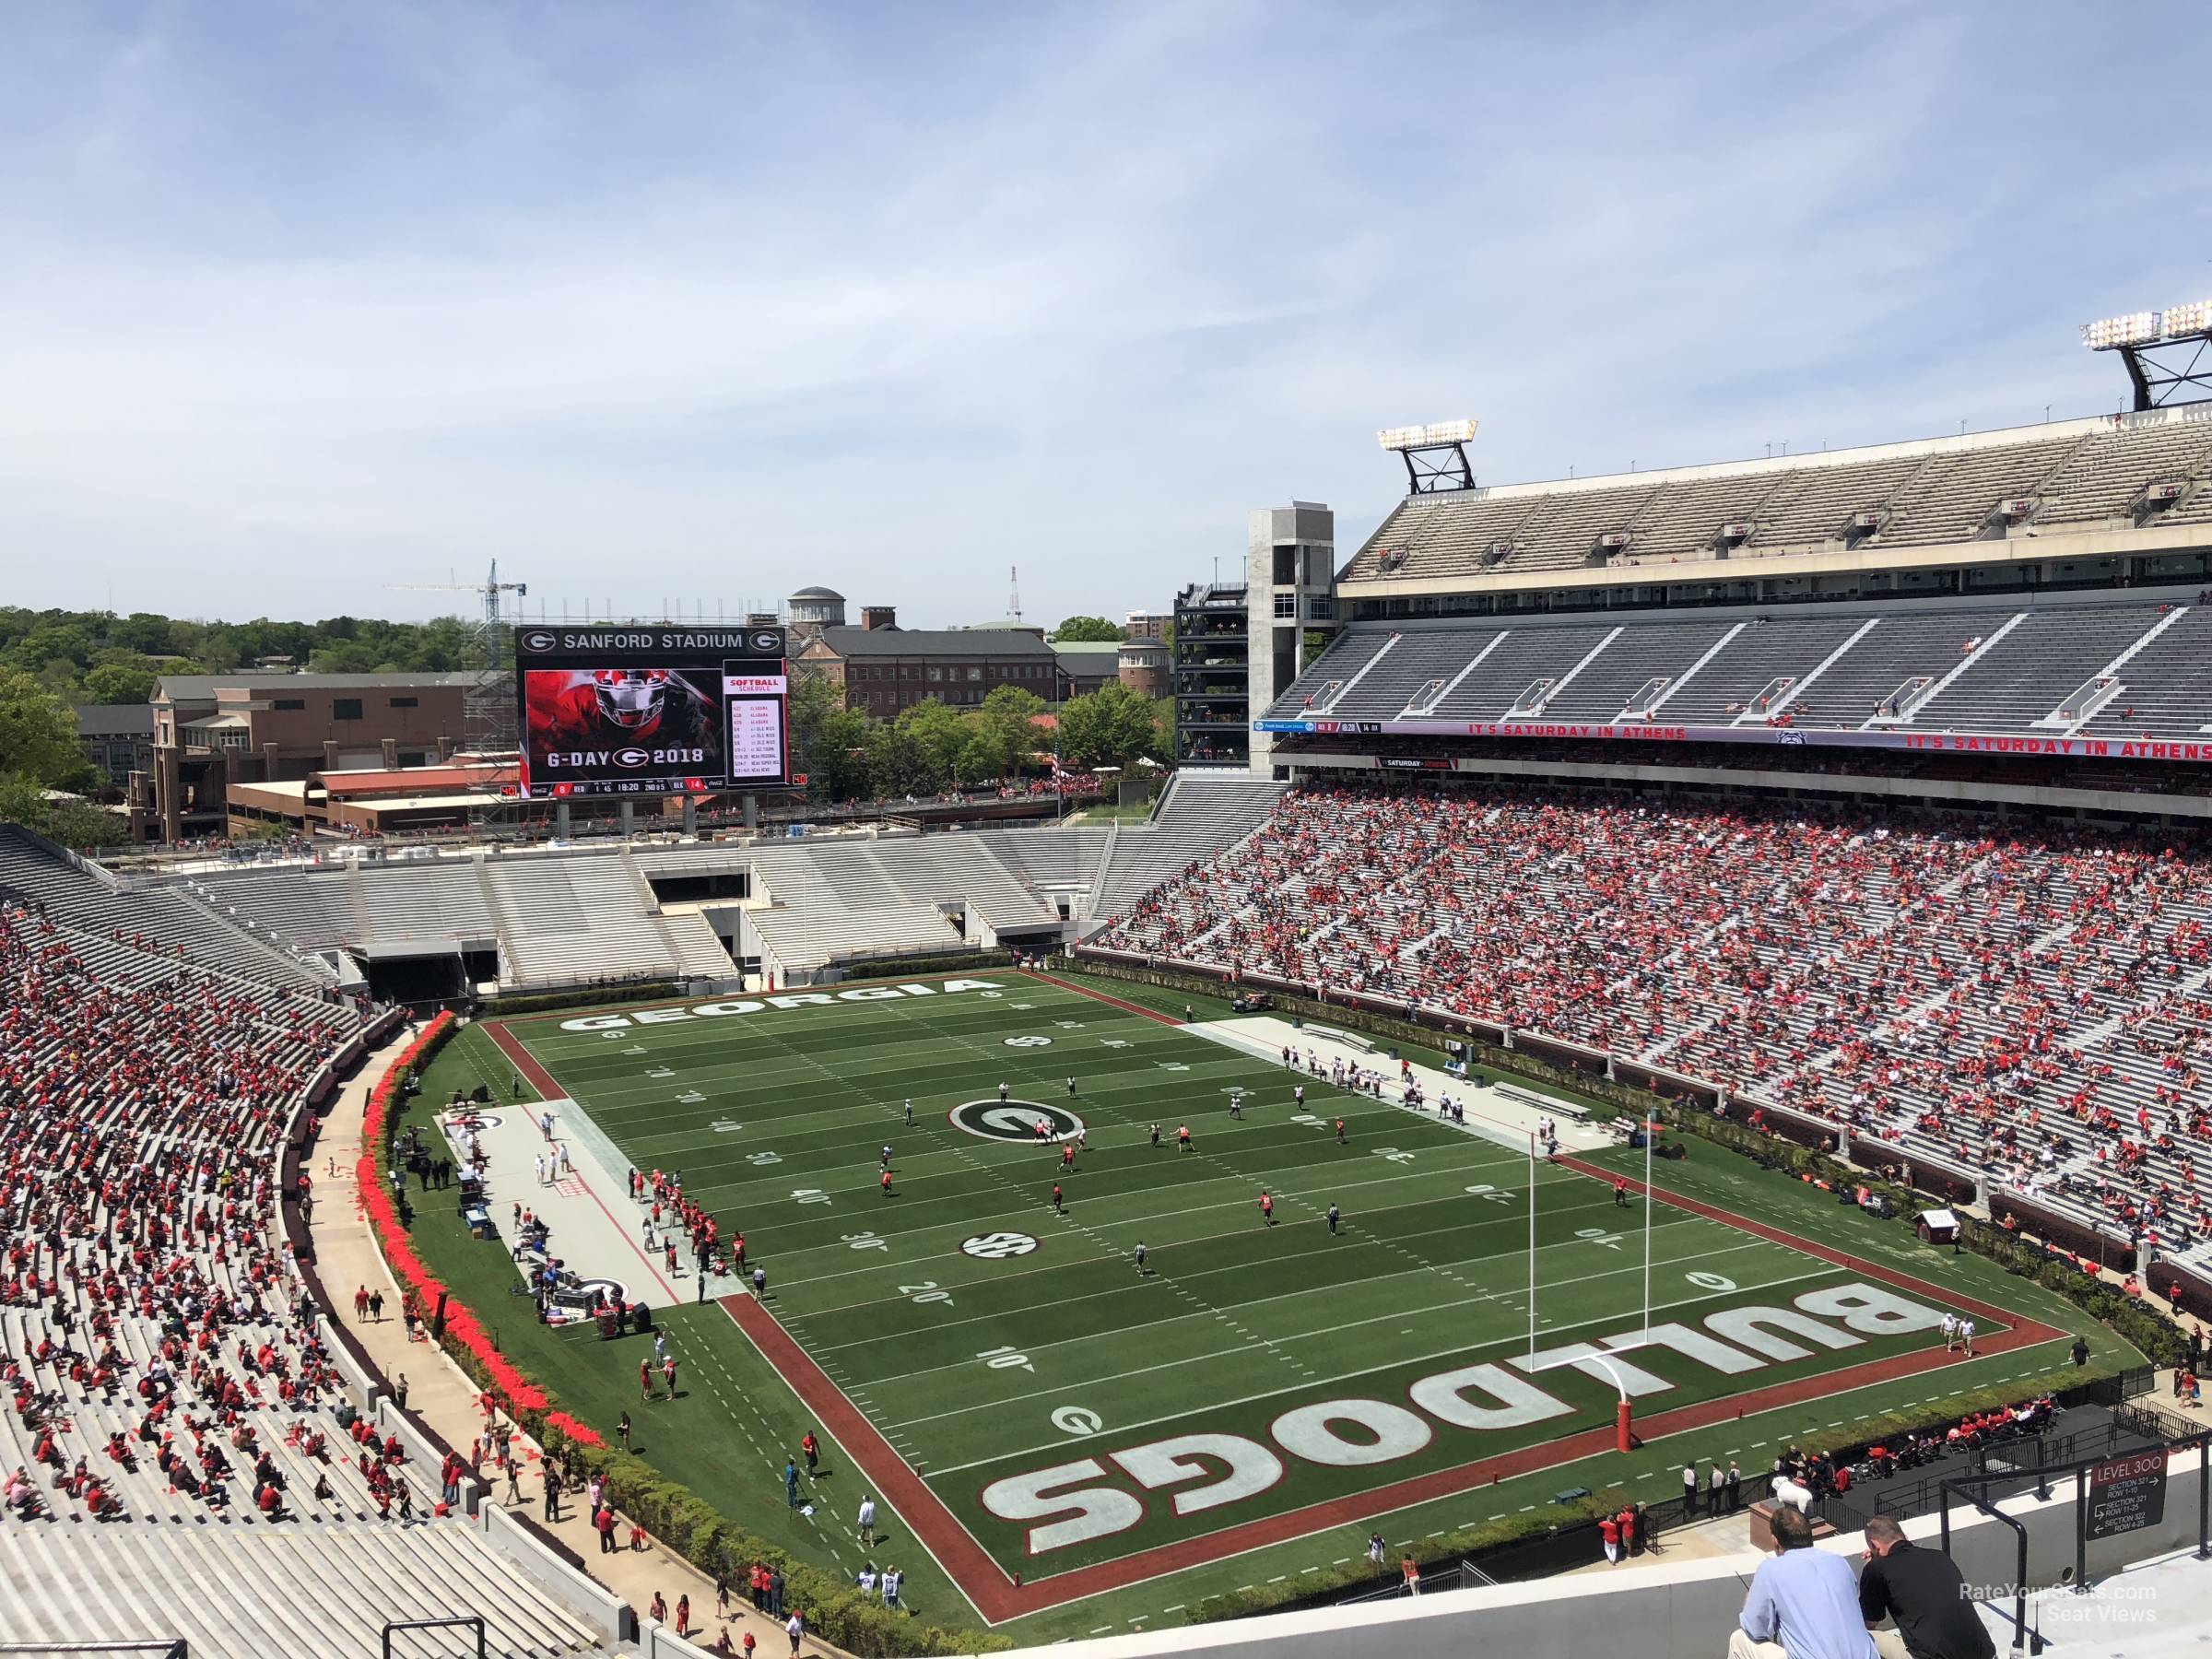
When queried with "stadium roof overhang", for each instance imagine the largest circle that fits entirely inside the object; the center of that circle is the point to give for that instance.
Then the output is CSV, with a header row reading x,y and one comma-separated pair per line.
x,y
2043,547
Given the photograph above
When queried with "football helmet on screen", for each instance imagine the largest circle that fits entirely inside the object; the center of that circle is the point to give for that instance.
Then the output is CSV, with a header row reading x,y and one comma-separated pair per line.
x,y
631,698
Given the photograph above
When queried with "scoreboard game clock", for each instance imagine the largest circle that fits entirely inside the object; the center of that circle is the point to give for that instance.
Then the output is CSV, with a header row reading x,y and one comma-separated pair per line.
x,y
650,709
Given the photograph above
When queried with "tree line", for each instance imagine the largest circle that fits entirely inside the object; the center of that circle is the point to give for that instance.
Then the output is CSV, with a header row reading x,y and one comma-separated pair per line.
x,y
99,657
931,747
52,659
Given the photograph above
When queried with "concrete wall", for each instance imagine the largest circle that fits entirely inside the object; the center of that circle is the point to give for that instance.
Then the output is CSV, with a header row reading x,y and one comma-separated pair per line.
x,y
1276,648
589,1601
2100,803
1676,1611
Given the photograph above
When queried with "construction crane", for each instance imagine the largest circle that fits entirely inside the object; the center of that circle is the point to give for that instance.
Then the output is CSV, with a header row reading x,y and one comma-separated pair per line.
x,y
490,588
487,709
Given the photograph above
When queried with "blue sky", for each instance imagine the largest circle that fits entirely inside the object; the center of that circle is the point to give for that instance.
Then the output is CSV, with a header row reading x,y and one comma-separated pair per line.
x,y
707,301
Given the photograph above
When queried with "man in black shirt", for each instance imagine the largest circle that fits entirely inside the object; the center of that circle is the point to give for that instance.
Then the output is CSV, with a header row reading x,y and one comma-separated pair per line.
x,y
1923,1590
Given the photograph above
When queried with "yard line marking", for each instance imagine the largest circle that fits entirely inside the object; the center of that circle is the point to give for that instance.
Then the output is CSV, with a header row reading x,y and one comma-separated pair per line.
x,y
1304,1293
1057,1389
1026,1204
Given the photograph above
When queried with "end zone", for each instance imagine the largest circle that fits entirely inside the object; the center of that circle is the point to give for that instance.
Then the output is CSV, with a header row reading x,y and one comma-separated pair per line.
x,y
998,1596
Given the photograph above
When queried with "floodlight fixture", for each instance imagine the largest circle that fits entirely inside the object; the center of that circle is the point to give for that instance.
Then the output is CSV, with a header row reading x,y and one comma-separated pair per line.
x,y
2164,352
1435,454
2183,322
2112,333
1437,434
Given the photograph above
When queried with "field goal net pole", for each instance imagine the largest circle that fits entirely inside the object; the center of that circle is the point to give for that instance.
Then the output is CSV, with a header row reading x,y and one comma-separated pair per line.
x,y
1531,1249
1649,1206
1624,1409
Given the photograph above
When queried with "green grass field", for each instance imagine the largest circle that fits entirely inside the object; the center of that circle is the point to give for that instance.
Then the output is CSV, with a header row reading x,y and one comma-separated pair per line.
x,y
1256,1399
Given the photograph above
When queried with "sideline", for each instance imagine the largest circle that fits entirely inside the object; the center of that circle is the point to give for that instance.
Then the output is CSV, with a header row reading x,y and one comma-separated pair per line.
x,y
442,1394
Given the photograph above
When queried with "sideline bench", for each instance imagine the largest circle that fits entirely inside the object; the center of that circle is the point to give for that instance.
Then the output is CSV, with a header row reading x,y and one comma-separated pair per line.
x,y
1543,1102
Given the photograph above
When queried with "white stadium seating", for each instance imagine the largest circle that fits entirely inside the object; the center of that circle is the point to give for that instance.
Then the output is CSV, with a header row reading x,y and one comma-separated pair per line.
x,y
168,1410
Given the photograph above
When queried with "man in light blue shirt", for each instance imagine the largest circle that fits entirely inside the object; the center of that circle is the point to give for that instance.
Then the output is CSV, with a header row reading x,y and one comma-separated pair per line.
x,y
1804,1603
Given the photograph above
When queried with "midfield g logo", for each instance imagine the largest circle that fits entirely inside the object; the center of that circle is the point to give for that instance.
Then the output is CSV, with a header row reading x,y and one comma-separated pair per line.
x,y
1015,1121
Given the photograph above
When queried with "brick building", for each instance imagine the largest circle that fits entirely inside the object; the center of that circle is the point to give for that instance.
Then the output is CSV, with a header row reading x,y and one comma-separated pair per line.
x,y
213,730
1088,663
1141,663
1147,625
882,668
118,739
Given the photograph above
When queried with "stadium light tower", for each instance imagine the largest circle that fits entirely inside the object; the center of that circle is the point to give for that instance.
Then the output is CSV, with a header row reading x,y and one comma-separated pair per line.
x,y
2164,351
1435,454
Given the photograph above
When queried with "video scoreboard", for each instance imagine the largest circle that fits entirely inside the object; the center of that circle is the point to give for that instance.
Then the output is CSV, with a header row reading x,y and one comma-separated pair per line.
x,y
644,709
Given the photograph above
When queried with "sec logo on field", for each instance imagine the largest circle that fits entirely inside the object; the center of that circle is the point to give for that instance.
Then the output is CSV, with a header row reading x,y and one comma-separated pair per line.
x,y
1015,1120
998,1246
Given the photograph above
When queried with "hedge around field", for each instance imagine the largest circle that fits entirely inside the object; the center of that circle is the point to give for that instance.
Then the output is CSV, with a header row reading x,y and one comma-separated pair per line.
x,y
672,1513
2156,1337
1452,1546
581,996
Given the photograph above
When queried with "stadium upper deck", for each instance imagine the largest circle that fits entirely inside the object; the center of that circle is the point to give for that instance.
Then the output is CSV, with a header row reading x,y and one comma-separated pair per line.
x,y
2089,495
2088,675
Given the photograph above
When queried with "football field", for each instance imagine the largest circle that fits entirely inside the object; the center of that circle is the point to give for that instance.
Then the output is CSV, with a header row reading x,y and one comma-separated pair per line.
x,y
1050,1419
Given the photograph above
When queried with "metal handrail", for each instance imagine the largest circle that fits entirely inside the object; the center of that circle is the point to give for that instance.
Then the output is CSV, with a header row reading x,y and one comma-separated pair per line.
x,y
2020,1632
483,1650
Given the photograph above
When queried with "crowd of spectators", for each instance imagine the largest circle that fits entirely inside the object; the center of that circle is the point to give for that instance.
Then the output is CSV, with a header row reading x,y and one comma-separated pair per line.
x,y
156,1345
2027,1001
